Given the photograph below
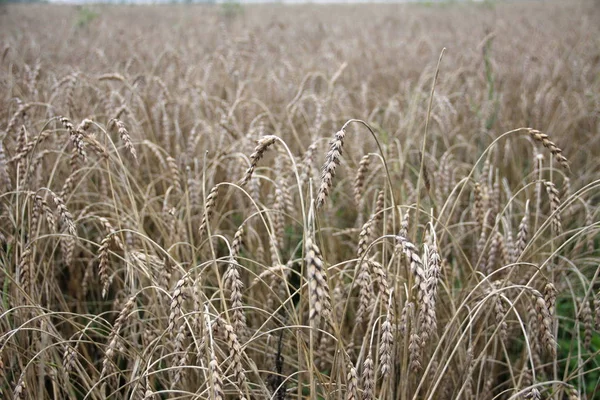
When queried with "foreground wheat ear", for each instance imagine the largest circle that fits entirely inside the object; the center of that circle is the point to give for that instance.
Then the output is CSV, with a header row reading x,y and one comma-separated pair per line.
x,y
246,207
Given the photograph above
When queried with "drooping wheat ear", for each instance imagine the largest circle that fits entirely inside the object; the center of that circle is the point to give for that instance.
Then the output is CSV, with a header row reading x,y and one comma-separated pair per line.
x,y
235,356
571,391
501,323
209,207
113,337
103,258
368,378
181,356
380,278
589,221
307,162
19,392
414,349
547,143
587,320
554,206
522,235
545,323
111,230
262,145
352,384
26,271
5,182
478,211
492,254
404,224
470,364
176,303
550,293
175,175
387,342
364,237
423,298
67,247
216,381
533,394
234,284
238,240
69,358
279,209
365,291
320,305
75,135
405,318
29,146
69,183
359,181
434,270
534,337
332,160
66,218
379,205
21,143
124,134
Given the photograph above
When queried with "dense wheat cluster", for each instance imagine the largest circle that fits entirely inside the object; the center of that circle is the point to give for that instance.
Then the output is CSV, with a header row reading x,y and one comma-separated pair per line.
x,y
301,202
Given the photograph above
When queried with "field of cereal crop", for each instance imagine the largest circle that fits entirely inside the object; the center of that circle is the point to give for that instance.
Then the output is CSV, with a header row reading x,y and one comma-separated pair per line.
x,y
300,202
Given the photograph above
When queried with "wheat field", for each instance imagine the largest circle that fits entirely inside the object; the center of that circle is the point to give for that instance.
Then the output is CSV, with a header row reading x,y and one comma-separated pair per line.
x,y
300,202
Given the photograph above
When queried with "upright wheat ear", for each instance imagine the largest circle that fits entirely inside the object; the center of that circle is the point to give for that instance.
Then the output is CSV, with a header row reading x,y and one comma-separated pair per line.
x,y
320,305
332,160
